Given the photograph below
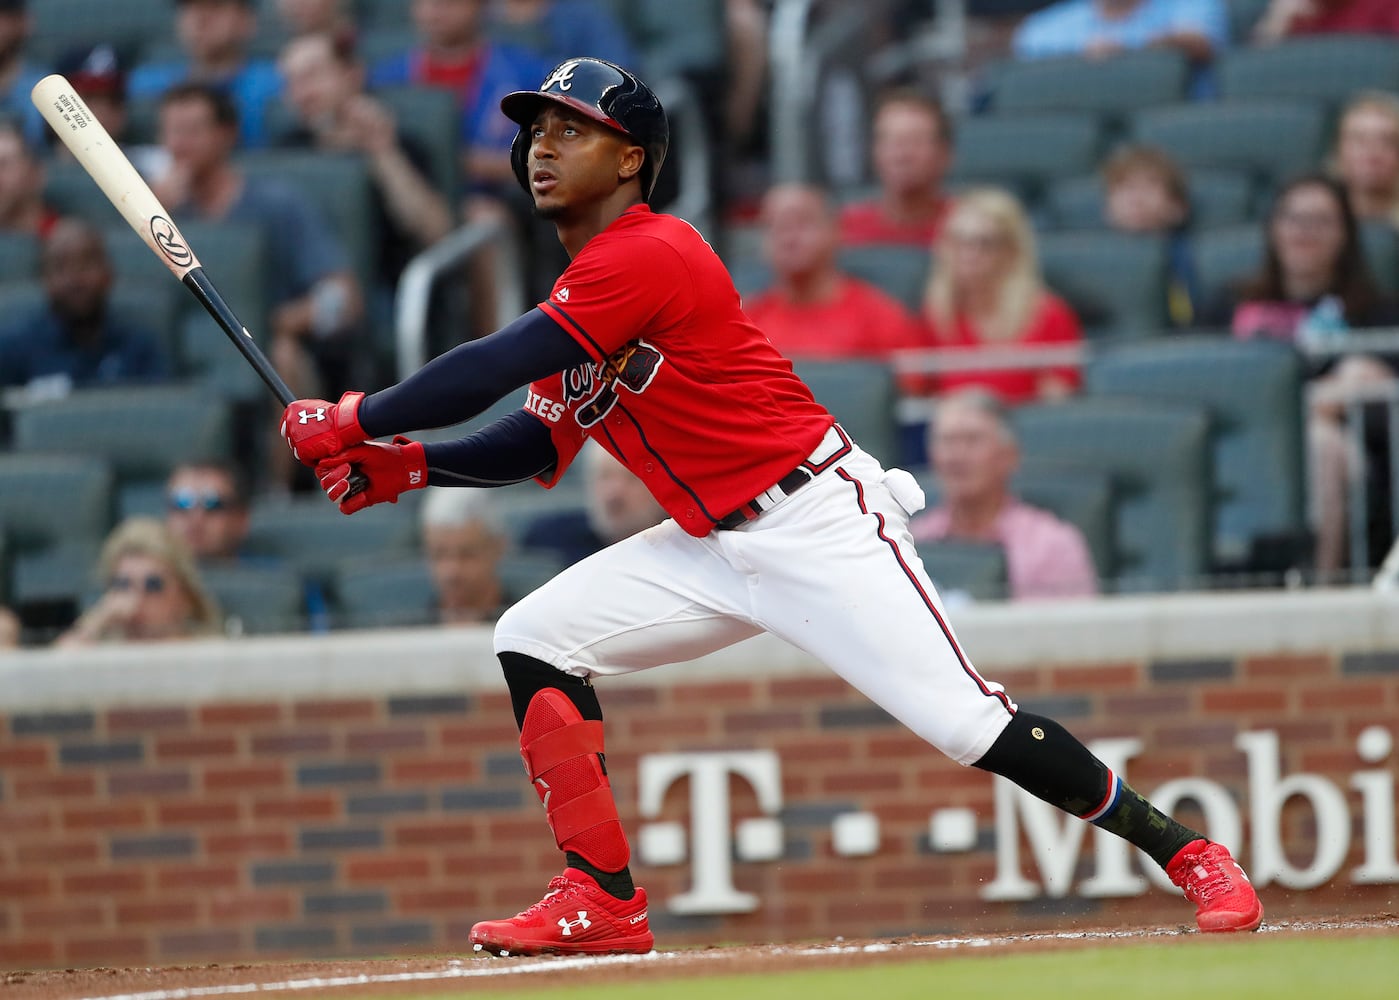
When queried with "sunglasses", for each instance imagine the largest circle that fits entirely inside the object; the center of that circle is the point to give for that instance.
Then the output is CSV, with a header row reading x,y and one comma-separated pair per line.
x,y
194,500
152,584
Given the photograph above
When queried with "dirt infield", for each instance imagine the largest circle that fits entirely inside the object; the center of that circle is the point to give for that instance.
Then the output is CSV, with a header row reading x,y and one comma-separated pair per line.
x,y
424,976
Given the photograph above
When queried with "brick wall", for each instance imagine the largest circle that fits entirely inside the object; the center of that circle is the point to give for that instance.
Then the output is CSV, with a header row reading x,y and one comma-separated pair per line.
x,y
231,829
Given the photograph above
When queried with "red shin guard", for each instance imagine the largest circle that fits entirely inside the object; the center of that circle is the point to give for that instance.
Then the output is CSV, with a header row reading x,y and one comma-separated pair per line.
x,y
562,754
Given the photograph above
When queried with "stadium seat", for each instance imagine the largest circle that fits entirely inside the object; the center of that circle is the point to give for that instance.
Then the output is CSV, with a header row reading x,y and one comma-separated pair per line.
x,y
898,270
1157,455
674,38
50,499
378,594
861,395
1243,15
1327,68
1082,497
141,430
1024,151
69,189
257,599
131,25
147,307
1114,281
432,118
312,538
1225,256
1271,139
524,571
1253,392
1217,198
1107,87
976,569
375,14
1381,246
19,257
751,275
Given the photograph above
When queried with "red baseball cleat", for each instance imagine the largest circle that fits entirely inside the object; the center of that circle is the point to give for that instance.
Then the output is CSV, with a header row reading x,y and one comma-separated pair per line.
x,y
1223,897
575,917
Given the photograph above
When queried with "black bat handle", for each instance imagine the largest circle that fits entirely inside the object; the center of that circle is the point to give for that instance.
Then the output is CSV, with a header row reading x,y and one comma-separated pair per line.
x,y
203,289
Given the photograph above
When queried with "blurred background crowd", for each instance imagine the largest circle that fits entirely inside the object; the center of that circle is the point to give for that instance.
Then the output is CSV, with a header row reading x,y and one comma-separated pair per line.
x,y
1118,279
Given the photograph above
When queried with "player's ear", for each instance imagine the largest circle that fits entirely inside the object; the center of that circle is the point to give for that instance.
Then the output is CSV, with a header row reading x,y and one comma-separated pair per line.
x,y
629,163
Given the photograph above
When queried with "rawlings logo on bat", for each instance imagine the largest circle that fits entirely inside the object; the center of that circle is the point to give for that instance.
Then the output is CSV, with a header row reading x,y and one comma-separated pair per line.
x,y
169,240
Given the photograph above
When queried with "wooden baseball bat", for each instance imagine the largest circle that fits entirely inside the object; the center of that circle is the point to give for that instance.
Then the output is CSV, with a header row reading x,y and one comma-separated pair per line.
x,y
106,164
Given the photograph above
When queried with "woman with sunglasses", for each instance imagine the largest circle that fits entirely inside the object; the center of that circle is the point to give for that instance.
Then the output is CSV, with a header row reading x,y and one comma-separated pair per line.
x,y
151,591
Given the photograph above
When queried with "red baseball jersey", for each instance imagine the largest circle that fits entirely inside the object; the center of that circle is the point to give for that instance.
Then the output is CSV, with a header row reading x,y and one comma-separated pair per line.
x,y
684,390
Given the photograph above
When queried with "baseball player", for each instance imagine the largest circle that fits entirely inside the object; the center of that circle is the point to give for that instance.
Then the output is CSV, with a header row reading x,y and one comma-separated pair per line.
x,y
778,521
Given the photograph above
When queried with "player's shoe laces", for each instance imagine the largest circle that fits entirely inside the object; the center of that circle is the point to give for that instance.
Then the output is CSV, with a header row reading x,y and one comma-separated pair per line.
x,y
1212,880
575,917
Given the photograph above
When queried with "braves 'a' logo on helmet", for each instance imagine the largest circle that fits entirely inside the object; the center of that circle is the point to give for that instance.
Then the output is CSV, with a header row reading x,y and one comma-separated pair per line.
x,y
632,367
561,77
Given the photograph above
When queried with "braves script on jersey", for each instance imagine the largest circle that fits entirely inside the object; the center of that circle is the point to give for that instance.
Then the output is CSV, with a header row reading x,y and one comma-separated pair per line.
x,y
681,382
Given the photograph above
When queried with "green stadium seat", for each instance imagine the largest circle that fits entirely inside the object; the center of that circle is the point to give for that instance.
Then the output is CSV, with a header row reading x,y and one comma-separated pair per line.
x,y
311,537
141,431
379,594
1107,87
1114,281
1226,255
1271,139
674,38
1243,15
56,576
1327,68
256,599
975,569
1252,390
900,271
52,499
431,117
19,257
1025,151
1381,246
524,571
1157,455
861,395
70,190
131,25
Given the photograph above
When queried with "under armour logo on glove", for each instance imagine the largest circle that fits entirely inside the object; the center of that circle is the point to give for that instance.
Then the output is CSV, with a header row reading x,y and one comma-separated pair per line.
x,y
566,926
317,414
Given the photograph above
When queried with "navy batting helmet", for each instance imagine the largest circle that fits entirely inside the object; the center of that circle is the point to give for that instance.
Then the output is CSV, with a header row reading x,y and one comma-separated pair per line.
x,y
606,93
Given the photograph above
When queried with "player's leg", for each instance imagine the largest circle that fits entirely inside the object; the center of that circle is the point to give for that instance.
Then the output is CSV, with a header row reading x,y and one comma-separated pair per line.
x,y
859,599
658,597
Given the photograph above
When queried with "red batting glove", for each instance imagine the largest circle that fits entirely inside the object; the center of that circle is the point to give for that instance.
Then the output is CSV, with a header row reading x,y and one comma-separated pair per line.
x,y
316,429
392,470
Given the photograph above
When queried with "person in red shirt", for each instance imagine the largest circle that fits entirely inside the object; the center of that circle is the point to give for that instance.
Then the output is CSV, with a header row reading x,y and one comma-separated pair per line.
x,y
911,149
778,521
813,309
986,294
1289,18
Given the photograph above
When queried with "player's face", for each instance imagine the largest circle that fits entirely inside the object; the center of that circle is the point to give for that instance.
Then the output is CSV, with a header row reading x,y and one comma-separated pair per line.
x,y
575,162
908,150
972,454
1368,152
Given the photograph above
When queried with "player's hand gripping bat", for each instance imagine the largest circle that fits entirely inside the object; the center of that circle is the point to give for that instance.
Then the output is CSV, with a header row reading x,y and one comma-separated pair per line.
x,y
106,164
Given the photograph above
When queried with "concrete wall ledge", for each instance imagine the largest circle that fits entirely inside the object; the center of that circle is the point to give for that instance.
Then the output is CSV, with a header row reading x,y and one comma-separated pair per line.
x,y
438,660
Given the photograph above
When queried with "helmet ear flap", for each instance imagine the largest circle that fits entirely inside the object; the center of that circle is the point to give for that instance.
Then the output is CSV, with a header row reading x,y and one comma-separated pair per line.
x,y
519,157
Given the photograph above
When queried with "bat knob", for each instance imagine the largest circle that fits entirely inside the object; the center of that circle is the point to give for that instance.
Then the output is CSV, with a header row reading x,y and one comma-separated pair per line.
x,y
359,482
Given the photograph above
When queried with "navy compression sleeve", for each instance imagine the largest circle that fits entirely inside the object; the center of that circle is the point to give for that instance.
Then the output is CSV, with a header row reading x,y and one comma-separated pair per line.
x,y
458,385
512,449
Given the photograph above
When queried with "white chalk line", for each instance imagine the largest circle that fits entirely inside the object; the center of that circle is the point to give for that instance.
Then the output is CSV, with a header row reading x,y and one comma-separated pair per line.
x,y
475,969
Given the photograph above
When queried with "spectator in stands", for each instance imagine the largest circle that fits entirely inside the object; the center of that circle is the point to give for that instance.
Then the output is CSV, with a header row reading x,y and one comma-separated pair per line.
x,y
456,53
1367,156
1101,28
555,30
17,74
1289,18
910,150
206,507
618,506
974,455
325,92
9,628
986,294
315,299
464,544
74,340
215,36
1147,193
99,76
22,205
306,17
1312,287
813,309
151,591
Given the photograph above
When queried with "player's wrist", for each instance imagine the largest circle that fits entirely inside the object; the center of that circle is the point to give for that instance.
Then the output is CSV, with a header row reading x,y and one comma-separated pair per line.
x,y
414,458
347,425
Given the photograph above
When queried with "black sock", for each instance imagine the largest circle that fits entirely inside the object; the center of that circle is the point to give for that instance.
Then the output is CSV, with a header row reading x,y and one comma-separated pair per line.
x,y
616,884
1043,758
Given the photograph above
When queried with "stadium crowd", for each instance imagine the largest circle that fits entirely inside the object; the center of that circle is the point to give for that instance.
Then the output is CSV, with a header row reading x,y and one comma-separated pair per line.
x,y
1082,200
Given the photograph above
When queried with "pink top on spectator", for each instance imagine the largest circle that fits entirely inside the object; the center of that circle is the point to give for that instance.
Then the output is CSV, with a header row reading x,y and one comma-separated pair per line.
x,y
1045,557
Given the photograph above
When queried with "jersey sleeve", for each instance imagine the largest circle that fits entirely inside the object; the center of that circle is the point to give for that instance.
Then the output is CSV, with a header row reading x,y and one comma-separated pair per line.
x,y
619,290
546,402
